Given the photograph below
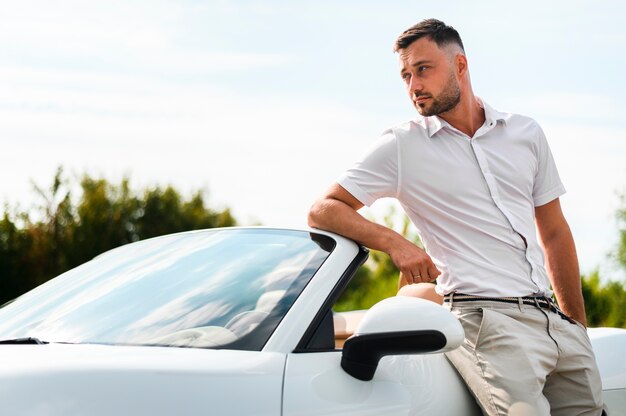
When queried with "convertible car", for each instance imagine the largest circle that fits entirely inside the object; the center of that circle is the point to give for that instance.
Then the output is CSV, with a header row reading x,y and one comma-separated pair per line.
x,y
237,321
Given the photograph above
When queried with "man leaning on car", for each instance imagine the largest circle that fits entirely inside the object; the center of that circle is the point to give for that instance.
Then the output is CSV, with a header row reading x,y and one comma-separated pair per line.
x,y
476,182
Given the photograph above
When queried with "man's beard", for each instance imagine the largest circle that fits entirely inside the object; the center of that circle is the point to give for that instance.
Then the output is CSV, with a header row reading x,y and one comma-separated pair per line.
x,y
445,101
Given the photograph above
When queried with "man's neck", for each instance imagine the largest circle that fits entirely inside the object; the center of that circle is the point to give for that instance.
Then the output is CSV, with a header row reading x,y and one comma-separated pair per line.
x,y
468,115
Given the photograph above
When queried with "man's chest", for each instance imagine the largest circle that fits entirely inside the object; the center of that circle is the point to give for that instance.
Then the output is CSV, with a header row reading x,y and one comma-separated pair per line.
x,y
474,171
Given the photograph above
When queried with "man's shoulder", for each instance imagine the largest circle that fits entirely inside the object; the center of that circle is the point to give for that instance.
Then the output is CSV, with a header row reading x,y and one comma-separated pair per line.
x,y
406,128
510,119
517,120
520,119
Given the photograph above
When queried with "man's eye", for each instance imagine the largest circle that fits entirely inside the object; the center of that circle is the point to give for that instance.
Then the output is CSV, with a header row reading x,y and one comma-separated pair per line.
x,y
422,68
406,77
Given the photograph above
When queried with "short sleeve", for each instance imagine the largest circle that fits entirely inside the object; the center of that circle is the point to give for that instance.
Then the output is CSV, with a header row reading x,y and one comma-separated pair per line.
x,y
547,185
375,176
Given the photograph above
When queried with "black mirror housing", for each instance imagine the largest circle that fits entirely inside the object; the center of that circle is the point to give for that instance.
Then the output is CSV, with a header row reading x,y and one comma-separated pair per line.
x,y
385,330
361,353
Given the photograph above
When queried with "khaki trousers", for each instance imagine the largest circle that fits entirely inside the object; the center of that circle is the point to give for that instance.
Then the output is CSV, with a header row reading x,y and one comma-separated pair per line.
x,y
519,359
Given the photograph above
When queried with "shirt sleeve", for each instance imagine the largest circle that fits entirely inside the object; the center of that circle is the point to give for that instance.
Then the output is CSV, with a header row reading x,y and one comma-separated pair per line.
x,y
375,176
547,186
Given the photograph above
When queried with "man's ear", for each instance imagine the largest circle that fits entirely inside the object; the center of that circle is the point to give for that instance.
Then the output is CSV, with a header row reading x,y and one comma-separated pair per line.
x,y
461,64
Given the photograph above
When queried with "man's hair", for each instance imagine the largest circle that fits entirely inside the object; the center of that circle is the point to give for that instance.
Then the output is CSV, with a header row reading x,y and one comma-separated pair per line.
x,y
436,30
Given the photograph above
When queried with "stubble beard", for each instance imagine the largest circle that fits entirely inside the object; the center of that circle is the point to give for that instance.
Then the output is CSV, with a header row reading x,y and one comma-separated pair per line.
x,y
445,101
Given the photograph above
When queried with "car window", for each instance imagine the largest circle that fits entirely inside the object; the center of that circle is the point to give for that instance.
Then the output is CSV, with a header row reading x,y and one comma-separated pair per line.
x,y
215,289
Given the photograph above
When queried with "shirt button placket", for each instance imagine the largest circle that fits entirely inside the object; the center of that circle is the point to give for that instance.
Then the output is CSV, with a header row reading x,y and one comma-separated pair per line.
x,y
484,168
493,191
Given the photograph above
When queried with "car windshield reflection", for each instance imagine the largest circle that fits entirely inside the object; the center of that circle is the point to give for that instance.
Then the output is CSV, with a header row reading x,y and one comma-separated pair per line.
x,y
224,288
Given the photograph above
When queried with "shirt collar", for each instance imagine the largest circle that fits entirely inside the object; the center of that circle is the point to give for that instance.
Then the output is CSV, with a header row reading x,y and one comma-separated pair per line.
x,y
491,115
433,124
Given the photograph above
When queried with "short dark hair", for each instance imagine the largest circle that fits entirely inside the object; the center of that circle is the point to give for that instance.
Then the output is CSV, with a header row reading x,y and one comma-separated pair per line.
x,y
436,30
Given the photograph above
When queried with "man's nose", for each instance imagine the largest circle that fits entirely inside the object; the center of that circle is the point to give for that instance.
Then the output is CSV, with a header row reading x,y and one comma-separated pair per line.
x,y
415,86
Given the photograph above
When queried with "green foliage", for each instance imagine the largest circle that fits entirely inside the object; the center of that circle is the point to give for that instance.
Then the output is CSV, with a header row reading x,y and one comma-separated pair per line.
x,y
68,231
620,252
373,282
605,304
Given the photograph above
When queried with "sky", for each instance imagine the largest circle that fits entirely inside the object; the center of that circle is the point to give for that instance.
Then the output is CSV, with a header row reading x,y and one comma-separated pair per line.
x,y
265,104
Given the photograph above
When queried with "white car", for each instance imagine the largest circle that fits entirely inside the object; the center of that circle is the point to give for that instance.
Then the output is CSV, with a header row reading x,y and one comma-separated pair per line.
x,y
236,321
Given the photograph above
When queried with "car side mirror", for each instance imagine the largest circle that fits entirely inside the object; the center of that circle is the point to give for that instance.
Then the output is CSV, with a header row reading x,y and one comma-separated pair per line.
x,y
399,325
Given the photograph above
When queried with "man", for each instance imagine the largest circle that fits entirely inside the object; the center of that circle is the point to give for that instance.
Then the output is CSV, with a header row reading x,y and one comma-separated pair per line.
x,y
475,182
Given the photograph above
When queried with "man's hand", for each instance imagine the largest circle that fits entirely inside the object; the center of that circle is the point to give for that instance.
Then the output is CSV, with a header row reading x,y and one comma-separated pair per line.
x,y
336,211
413,262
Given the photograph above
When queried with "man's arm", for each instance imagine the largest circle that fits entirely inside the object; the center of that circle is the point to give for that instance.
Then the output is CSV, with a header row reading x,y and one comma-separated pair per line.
x,y
561,260
336,211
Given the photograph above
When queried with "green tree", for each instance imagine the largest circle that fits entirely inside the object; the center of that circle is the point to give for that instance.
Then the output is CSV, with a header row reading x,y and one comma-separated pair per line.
x,y
15,246
620,252
605,304
66,230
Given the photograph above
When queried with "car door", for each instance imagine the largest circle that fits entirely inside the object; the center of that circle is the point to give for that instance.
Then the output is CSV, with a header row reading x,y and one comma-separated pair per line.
x,y
416,384
315,384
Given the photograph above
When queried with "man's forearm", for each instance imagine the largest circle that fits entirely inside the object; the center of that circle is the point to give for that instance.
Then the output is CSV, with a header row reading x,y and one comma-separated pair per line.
x,y
338,217
562,267
337,212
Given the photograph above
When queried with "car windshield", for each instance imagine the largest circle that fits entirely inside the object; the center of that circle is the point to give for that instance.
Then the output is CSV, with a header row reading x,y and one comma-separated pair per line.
x,y
225,288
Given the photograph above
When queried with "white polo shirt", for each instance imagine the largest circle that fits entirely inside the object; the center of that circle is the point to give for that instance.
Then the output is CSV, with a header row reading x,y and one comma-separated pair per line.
x,y
472,199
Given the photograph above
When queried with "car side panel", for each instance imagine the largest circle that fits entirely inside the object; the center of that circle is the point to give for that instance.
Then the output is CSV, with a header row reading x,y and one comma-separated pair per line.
x,y
315,384
96,380
615,401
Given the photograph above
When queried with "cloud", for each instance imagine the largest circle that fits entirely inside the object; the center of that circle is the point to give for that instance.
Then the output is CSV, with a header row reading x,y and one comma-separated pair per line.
x,y
152,37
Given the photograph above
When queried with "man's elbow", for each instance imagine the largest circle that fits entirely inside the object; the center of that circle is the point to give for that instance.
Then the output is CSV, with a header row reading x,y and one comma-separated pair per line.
x,y
315,212
321,213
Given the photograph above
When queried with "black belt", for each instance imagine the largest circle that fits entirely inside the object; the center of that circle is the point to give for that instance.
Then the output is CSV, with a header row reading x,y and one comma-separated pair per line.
x,y
542,302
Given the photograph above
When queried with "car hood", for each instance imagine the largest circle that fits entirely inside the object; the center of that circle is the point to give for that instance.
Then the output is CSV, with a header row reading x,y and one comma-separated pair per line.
x,y
62,379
